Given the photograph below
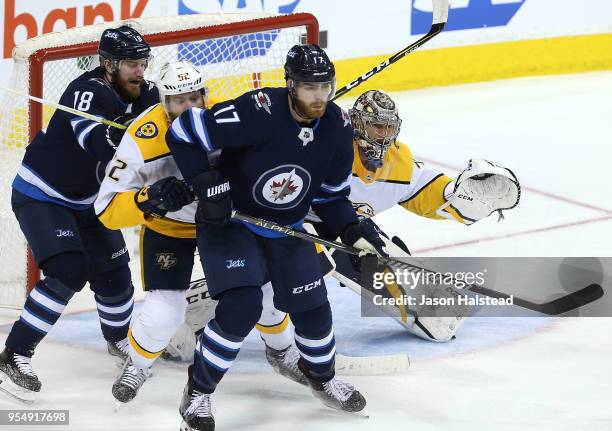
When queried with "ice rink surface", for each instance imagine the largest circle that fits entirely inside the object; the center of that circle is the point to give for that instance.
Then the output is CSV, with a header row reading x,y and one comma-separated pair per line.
x,y
500,373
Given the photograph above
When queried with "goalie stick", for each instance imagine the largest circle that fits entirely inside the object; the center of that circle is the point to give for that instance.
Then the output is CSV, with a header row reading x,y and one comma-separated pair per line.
x,y
555,307
440,16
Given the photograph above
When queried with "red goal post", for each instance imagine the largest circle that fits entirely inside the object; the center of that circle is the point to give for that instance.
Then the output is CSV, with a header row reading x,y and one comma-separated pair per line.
x,y
236,52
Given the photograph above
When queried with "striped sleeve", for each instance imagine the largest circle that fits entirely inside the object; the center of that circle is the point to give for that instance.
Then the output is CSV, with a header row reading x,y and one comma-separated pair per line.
x,y
189,143
426,193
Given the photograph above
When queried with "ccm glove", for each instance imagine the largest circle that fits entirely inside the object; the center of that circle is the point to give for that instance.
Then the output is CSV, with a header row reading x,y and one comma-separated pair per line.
x,y
365,236
167,194
215,203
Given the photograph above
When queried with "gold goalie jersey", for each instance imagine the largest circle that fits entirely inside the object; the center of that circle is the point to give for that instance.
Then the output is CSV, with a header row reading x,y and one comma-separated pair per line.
x,y
141,159
401,180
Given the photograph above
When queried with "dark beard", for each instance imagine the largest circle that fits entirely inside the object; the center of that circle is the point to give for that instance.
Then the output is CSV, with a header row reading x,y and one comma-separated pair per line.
x,y
126,93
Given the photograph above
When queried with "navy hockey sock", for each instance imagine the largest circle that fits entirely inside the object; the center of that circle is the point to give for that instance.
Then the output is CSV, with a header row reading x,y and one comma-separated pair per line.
x,y
115,313
315,340
43,307
236,314
214,354
114,294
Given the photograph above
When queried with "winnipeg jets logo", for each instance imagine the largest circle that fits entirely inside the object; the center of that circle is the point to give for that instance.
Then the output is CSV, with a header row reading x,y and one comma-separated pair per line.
x,y
282,187
306,135
262,101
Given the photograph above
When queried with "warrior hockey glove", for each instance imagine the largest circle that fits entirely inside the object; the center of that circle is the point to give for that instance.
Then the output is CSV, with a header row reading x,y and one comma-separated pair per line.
x,y
215,203
167,194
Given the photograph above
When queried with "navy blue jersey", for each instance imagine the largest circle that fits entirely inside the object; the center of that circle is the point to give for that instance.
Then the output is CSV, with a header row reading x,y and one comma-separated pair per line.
x,y
276,167
65,163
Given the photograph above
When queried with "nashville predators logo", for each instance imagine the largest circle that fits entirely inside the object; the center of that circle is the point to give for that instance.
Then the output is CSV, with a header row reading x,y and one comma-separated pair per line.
x,y
147,130
165,260
282,187
363,210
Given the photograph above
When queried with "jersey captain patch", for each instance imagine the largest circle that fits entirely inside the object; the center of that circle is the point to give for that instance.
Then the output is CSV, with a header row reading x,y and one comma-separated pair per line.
x,y
147,131
282,187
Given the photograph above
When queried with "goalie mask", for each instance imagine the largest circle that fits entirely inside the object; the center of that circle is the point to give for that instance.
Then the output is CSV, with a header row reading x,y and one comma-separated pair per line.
x,y
377,124
180,78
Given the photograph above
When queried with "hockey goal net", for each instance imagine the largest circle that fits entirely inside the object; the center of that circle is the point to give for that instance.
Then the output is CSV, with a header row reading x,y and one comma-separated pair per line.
x,y
236,52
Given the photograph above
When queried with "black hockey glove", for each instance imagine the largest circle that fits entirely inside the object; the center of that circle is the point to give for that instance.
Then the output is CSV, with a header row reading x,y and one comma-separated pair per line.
x,y
114,134
215,203
366,237
167,194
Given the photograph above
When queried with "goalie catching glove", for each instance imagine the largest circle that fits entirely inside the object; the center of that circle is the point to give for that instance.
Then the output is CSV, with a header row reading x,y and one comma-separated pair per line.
x,y
481,189
167,194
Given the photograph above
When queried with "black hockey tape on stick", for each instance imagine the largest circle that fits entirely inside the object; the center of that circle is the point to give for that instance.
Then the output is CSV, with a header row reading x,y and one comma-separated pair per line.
x,y
440,16
555,307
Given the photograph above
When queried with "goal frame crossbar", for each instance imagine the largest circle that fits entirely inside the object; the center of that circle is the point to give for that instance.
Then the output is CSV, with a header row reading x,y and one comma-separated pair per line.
x,y
39,57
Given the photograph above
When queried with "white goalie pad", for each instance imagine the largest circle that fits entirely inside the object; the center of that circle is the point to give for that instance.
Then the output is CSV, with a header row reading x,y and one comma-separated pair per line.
x,y
481,189
441,328
200,309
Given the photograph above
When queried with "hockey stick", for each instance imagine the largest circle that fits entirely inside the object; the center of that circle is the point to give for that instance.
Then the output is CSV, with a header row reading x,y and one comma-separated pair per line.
x,y
66,109
440,16
371,365
555,307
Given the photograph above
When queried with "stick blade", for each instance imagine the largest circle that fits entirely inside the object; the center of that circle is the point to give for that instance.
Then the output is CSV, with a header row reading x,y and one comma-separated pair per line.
x,y
440,11
570,302
371,365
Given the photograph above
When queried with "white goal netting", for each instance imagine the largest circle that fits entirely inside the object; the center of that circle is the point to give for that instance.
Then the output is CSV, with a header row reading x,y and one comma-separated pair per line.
x,y
236,52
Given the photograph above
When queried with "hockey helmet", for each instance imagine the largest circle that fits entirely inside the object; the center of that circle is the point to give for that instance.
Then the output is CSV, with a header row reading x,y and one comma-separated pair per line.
x,y
309,63
179,77
123,43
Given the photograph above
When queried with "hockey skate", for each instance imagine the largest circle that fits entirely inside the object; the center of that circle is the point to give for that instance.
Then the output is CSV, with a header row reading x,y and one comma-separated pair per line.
x,y
119,350
17,377
196,408
129,382
336,394
285,363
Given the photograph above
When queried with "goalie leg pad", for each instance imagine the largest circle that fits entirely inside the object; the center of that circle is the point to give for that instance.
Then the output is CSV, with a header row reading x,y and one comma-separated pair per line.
x,y
162,314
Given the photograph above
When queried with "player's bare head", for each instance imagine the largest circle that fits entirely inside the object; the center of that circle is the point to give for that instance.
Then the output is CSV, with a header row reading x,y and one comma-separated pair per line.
x,y
181,86
377,124
125,56
311,80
